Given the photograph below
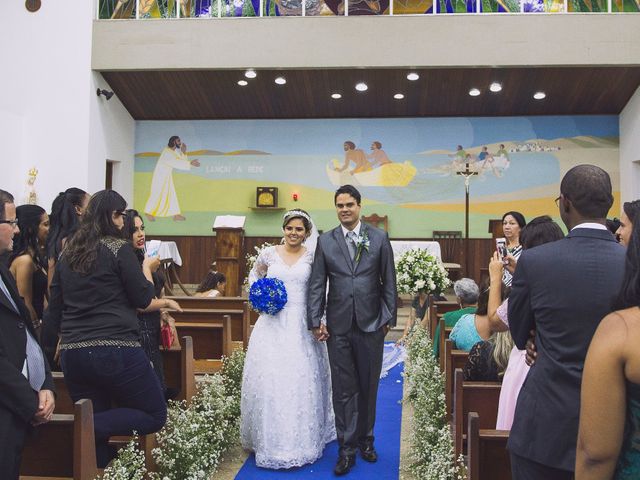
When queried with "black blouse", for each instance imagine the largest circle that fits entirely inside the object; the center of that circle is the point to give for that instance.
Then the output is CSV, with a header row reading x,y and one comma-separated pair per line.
x,y
480,366
100,305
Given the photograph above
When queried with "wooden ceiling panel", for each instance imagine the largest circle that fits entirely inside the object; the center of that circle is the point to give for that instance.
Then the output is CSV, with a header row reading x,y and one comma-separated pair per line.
x,y
215,94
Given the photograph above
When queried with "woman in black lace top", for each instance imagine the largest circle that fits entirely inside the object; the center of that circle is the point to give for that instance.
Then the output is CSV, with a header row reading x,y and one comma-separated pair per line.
x,y
488,359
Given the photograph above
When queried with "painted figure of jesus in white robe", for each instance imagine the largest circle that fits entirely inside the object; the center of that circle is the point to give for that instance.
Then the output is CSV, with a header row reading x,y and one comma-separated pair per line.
x,y
163,200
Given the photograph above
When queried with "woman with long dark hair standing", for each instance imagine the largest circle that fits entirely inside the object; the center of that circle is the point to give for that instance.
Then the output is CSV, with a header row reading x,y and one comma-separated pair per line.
x,y
97,288
151,317
28,261
66,212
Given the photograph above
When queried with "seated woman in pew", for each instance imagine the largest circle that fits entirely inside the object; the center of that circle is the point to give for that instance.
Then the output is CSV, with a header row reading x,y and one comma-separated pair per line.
x,y
97,287
538,231
467,293
610,396
151,318
212,285
473,328
488,359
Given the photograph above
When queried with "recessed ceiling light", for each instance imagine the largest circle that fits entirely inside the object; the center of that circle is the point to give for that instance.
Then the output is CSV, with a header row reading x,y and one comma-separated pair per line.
x,y
250,73
398,96
243,83
539,95
362,87
495,87
280,80
336,96
474,92
413,76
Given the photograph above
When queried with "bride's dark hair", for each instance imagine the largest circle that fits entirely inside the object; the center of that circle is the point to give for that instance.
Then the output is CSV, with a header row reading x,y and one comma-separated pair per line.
x,y
302,215
81,251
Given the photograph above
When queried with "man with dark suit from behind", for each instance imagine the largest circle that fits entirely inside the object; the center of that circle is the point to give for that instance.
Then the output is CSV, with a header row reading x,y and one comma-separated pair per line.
x,y
21,405
562,290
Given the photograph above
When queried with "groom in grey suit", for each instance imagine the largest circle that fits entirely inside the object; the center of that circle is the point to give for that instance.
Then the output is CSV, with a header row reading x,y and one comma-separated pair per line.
x,y
360,308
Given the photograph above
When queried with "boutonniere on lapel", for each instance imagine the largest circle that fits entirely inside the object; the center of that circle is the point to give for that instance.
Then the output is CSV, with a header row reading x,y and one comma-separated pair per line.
x,y
362,243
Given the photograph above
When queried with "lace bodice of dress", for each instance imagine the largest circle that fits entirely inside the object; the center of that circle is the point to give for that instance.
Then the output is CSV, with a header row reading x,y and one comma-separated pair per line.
x,y
295,277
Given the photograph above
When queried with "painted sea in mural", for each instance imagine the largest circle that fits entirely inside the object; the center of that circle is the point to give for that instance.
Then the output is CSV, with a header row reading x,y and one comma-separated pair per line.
x,y
407,169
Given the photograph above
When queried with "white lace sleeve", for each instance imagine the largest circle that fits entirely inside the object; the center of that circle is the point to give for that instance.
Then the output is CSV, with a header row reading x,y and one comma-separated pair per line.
x,y
260,267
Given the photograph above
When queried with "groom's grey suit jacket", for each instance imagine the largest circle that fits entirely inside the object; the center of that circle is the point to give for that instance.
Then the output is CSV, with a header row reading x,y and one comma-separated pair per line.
x,y
365,290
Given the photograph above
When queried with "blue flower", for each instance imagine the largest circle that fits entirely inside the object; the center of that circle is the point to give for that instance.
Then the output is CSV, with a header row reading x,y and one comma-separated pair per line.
x,y
268,295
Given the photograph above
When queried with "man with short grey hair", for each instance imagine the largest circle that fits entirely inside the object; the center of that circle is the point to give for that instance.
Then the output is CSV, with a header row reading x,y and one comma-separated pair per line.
x,y
25,380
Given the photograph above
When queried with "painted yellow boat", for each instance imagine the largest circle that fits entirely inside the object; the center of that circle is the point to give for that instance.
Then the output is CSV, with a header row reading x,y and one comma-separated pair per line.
x,y
388,175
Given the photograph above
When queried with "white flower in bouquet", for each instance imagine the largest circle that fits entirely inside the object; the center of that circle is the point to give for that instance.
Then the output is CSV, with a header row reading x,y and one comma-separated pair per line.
x,y
417,270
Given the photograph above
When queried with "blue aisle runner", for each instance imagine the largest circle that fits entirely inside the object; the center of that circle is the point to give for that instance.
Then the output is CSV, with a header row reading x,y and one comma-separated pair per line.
x,y
387,433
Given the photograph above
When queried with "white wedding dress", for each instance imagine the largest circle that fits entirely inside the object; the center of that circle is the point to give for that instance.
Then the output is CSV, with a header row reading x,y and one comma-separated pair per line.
x,y
287,415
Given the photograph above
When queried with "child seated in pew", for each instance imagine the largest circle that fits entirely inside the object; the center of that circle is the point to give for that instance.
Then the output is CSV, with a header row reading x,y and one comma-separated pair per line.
x,y
212,285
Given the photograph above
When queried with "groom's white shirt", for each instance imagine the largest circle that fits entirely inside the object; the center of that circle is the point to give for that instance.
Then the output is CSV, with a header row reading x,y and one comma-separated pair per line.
x,y
356,230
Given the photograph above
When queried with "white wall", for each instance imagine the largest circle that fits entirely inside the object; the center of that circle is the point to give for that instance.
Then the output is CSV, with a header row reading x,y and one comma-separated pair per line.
x,y
368,41
111,137
50,115
630,149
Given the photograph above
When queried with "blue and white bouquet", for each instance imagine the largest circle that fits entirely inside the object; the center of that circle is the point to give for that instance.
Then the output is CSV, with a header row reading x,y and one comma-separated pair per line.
x,y
268,295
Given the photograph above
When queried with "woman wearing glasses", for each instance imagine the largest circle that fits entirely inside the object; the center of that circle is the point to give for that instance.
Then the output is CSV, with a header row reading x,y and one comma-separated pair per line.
x,y
96,289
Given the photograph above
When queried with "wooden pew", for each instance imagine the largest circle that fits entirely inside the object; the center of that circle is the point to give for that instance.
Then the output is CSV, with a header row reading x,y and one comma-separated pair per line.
x,y
178,366
437,308
220,303
444,333
453,359
239,321
488,455
211,340
480,397
62,448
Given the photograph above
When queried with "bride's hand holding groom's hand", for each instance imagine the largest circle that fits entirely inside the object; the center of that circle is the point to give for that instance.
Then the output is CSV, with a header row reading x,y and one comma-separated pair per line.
x,y
321,333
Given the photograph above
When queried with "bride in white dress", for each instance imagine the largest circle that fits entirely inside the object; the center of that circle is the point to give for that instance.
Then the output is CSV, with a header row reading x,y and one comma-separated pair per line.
x,y
287,415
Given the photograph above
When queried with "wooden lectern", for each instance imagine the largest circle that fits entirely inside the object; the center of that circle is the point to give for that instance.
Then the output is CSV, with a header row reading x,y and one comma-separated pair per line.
x,y
229,243
495,228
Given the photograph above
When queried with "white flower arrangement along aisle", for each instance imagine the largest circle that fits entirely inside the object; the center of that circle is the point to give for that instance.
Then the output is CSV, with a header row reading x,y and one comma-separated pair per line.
x,y
194,439
417,270
431,451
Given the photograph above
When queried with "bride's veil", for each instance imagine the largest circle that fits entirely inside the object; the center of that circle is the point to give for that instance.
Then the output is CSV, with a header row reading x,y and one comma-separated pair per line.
x,y
312,240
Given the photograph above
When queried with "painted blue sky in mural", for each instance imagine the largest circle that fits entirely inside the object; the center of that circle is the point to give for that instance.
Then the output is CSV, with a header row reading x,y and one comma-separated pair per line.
x,y
303,152
398,136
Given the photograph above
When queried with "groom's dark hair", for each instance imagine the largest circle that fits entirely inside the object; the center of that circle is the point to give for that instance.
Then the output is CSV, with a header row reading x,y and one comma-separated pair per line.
x,y
349,190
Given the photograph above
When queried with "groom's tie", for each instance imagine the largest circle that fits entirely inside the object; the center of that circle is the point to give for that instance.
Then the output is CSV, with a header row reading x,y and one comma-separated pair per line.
x,y
351,243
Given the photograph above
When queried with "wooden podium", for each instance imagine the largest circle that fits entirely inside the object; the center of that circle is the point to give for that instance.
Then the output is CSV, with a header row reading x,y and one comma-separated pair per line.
x,y
229,243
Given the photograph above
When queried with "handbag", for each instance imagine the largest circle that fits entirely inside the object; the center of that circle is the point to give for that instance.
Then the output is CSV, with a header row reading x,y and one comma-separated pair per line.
x,y
168,332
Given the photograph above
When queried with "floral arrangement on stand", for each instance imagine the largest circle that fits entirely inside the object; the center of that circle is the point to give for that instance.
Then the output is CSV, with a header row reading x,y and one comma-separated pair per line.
x,y
251,261
417,270
268,295
195,437
432,445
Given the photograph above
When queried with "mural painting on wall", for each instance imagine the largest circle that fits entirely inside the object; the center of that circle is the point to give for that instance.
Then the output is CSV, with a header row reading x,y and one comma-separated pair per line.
x,y
404,168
